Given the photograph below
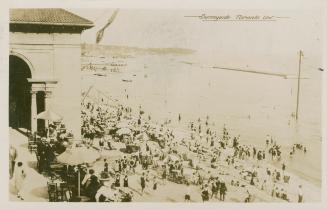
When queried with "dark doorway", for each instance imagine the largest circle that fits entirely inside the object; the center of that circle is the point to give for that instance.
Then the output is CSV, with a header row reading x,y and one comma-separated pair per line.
x,y
19,94
40,105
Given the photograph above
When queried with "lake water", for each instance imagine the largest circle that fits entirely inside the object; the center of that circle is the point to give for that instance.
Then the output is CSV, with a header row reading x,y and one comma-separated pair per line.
x,y
252,105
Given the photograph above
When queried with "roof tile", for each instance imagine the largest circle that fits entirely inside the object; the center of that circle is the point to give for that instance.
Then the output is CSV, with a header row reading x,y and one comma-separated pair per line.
x,y
47,16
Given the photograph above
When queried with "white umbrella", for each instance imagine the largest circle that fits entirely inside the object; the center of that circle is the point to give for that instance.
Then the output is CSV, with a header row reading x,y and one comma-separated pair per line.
x,y
142,136
112,154
124,131
174,157
77,156
49,115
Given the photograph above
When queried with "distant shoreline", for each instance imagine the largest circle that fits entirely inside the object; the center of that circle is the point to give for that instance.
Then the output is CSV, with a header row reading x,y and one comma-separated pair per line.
x,y
102,50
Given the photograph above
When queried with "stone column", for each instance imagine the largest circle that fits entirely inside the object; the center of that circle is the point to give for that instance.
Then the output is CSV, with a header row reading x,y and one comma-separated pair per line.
x,y
33,112
47,96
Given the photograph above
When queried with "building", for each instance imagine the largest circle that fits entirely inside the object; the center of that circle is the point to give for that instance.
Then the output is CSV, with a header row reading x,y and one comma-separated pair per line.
x,y
44,67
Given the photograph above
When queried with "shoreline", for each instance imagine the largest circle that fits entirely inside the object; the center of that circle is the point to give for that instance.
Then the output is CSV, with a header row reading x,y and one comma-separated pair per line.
x,y
315,187
246,137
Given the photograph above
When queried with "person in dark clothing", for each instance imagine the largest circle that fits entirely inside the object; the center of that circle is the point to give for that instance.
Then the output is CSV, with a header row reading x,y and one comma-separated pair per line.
x,y
268,172
120,165
235,143
143,182
212,142
117,181
125,163
155,183
146,164
278,176
218,185
164,174
109,144
187,196
106,167
214,190
283,167
93,188
126,181
222,191
252,178
40,156
205,193
49,157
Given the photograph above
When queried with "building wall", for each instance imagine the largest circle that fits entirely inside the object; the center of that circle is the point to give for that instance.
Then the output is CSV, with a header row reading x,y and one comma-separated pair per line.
x,y
67,96
55,57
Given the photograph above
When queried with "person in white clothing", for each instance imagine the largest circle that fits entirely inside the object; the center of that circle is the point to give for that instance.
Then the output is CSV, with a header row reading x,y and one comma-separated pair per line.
x,y
12,160
106,193
300,194
19,179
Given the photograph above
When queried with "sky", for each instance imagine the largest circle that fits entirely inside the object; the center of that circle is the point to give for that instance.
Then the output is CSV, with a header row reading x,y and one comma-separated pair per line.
x,y
262,43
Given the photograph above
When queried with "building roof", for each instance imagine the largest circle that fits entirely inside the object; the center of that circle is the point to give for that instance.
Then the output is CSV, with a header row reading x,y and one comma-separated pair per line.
x,y
48,16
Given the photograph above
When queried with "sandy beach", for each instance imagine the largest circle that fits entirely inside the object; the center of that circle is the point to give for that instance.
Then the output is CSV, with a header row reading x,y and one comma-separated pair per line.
x,y
252,106
166,87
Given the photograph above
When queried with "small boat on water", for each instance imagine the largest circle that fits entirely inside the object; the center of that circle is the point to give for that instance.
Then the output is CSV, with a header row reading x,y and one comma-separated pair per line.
x,y
100,74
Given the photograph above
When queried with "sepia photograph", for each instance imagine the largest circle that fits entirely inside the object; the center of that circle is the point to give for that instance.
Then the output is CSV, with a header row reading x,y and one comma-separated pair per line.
x,y
165,105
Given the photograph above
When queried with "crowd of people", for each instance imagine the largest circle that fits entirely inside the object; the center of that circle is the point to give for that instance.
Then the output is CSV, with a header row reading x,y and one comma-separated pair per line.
x,y
51,145
198,155
151,155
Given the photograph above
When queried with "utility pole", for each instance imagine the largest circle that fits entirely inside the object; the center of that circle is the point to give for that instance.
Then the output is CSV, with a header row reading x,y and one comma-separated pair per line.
x,y
298,86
